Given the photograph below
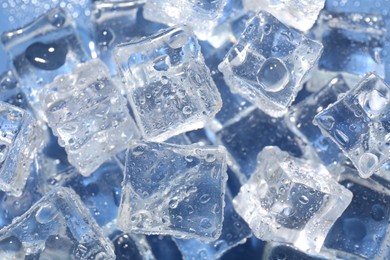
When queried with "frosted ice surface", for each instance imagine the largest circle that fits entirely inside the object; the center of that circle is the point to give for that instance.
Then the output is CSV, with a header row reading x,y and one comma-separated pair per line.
x,y
301,117
168,85
174,190
269,63
43,49
353,42
291,200
296,13
201,15
235,231
359,124
19,142
57,226
88,114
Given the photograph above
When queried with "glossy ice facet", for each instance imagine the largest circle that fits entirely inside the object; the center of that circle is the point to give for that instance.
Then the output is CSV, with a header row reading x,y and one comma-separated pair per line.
x,y
202,15
85,110
174,190
296,13
291,200
57,226
353,42
359,124
301,116
269,63
168,85
235,231
19,142
43,49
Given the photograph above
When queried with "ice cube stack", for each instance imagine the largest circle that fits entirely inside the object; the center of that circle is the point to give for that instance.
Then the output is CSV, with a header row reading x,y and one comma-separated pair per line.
x,y
187,129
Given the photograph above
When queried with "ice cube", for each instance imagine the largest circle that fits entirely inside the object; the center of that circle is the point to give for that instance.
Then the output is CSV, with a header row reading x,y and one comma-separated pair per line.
x,y
10,91
358,124
353,42
19,142
296,13
168,85
246,134
173,190
235,231
57,226
89,116
300,120
43,49
362,230
201,15
291,200
132,246
269,63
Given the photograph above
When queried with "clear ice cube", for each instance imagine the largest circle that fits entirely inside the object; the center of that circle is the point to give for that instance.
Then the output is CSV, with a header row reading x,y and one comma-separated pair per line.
x,y
43,49
296,13
235,231
174,190
256,131
168,85
19,142
201,15
88,114
353,42
269,63
362,230
300,120
359,124
57,226
291,200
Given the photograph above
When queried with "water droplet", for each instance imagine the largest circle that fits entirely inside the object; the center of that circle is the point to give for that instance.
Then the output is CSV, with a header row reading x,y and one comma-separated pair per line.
x,y
273,75
368,162
46,213
57,19
205,223
267,29
49,56
178,39
374,103
187,110
326,122
59,105
161,63
303,199
377,212
173,203
105,37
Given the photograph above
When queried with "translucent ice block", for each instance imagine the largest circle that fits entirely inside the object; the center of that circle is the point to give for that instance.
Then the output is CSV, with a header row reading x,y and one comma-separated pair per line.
x,y
85,110
269,63
300,120
353,42
57,226
19,142
235,231
291,200
296,13
202,15
359,124
174,190
43,49
168,85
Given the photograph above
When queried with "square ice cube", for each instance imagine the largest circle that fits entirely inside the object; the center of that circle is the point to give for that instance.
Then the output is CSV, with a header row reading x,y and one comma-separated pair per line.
x,y
43,49
291,200
235,231
201,15
57,227
88,114
168,85
359,124
19,142
300,120
174,190
269,63
353,42
296,13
